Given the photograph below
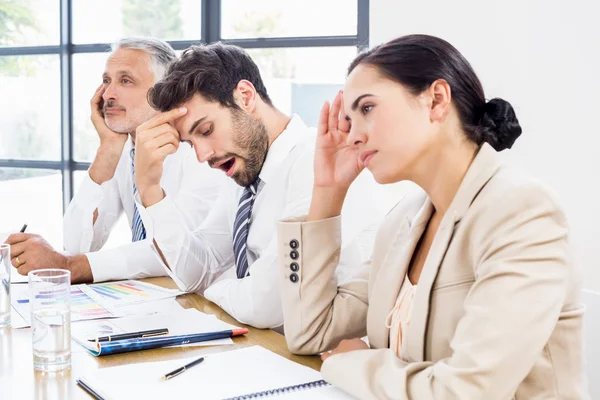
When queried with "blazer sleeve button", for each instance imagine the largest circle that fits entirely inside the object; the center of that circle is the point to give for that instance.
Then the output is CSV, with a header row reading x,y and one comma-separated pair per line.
x,y
294,255
294,267
294,278
294,244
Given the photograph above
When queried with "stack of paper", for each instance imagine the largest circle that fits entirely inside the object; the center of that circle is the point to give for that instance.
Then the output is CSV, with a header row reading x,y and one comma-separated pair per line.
x,y
183,322
105,300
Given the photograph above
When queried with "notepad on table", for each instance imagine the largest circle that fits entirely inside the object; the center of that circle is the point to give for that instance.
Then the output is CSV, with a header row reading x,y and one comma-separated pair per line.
x,y
182,322
251,372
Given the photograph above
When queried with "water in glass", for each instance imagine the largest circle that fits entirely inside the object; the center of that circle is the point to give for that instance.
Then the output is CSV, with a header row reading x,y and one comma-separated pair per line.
x,y
51,339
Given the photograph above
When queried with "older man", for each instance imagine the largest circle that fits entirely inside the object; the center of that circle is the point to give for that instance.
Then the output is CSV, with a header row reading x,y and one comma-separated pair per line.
x,y
118,107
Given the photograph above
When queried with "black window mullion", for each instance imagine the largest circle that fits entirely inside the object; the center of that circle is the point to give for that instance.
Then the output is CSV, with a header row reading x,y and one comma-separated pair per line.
x,y
294,42
211,21
29,50
363,25
66,101
34,164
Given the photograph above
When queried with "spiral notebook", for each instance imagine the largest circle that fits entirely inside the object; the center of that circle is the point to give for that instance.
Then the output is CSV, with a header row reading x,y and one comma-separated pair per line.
x,y
248,373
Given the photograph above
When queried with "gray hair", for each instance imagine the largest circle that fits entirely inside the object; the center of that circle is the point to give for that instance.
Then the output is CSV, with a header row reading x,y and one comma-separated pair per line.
x,y
160,52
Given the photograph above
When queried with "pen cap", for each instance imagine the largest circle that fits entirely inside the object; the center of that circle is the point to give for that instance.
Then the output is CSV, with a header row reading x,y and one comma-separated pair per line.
x,y
239,331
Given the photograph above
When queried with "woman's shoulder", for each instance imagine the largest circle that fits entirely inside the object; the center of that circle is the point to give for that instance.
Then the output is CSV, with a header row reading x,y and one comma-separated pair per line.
x,y
512,191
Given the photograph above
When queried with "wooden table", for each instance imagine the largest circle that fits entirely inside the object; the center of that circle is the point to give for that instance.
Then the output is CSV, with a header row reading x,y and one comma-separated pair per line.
x,y
19,381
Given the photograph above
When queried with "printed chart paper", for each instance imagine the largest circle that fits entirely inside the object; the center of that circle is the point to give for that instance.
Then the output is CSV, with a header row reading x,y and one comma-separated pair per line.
x,y
83,307
124,293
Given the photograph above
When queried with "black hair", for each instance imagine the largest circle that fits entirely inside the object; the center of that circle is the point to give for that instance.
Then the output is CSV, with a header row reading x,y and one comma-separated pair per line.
x,y
213,71
416,61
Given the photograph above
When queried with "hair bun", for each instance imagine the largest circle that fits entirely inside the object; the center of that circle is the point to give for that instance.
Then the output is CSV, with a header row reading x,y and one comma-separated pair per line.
x,y
499,125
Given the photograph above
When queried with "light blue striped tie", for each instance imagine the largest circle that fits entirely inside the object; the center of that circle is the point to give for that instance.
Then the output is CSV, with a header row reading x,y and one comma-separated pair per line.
x,y
138,232
241,227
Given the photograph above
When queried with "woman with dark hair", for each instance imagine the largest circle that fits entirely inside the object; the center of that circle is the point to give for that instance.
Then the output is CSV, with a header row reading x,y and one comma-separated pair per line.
x,y
471,291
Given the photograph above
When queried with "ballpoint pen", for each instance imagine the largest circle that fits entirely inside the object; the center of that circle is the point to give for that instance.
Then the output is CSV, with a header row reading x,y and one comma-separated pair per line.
x,y
181,370
131,335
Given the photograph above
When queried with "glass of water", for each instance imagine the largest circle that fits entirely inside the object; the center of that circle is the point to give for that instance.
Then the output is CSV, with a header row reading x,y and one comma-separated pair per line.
x,y
50,301
5,285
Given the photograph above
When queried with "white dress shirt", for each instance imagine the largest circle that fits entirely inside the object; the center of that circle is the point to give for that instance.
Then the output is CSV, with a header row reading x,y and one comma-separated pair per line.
x,y
203,259
194,188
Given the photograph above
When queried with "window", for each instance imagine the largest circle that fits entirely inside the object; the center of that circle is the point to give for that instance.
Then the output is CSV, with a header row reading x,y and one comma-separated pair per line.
x,y
108,20
275,18
87,76
298,81
33,197
31,129
52,54
29,23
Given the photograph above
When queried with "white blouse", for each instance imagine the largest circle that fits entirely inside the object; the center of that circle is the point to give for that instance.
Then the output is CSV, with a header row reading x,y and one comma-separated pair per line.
x,y
398,319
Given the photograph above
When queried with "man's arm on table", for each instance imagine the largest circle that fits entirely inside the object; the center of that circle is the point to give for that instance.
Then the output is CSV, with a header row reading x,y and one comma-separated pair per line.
x,y
194,257
198,192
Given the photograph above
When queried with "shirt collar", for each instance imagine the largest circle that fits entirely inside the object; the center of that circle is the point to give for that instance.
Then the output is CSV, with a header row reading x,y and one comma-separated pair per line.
x,y
294,132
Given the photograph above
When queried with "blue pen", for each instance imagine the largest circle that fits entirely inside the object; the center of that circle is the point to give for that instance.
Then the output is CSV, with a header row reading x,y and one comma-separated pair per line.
x,y
127,345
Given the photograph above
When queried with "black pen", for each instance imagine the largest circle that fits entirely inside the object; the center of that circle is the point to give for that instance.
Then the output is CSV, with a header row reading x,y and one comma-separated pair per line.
x,y
131,335
181,370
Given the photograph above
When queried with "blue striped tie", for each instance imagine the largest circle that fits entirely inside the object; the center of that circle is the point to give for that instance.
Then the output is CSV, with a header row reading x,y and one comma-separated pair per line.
x,y
138,232
241,227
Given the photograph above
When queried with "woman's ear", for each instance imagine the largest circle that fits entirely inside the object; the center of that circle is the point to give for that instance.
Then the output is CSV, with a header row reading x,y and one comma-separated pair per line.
x,y
441,99
245,96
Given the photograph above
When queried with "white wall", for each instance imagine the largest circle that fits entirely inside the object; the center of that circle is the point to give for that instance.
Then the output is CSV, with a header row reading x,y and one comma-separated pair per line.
x,y
543,56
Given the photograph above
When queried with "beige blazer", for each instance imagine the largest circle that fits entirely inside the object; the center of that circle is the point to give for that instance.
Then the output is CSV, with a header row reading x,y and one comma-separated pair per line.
x,y
497,311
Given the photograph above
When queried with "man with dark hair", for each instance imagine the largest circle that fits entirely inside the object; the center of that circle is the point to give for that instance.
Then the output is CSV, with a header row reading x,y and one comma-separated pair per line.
x,y
213,97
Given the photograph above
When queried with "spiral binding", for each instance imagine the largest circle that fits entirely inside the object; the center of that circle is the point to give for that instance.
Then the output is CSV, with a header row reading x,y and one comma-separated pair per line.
x,y
275,392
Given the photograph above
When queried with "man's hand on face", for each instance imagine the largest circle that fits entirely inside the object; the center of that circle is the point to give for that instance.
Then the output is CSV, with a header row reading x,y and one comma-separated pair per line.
x,y
108,137
30,252
111,143
155,140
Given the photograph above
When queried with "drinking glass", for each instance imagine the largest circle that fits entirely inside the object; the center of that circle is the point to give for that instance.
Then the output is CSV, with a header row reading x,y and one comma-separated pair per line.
x,y
50,301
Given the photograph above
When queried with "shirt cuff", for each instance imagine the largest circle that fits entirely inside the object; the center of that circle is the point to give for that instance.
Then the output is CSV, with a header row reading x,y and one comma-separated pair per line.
x,y
132,261
163,224
159,215
90,194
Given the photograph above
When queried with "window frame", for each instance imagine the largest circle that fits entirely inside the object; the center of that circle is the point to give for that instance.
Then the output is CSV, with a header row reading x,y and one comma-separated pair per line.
x,y
210,31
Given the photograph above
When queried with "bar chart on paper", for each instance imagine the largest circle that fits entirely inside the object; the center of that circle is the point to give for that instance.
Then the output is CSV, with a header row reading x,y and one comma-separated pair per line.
x,y
125,293
83,307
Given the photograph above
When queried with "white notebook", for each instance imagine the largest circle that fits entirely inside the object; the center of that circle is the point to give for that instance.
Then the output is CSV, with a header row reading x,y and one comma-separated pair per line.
x,y
251,372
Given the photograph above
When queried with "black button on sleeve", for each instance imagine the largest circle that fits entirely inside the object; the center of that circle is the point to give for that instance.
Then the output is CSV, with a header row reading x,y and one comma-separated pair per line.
x,y
294,267
294,255
294,278
294,244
